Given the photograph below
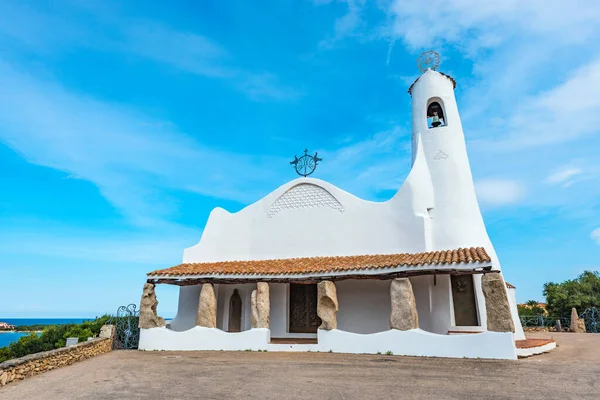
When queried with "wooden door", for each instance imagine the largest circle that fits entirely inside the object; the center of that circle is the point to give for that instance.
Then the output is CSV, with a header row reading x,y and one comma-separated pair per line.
x,y
235,312
303,309
463,294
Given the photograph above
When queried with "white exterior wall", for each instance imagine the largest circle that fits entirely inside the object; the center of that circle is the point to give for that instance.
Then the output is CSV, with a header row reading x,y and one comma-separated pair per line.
x,y
187,309
256,232
416,342
364,305
434,303
512,300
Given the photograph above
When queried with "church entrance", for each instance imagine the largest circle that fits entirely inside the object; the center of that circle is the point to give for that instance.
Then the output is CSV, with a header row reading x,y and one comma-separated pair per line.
x,y
463,294
303,309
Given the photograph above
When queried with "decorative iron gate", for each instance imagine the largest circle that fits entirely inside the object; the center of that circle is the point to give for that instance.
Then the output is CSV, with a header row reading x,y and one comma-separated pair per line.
x,y
127,332
591,316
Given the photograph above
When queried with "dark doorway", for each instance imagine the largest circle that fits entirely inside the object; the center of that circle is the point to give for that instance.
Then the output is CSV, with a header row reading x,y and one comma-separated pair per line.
x,y
235,312
463,294
303,309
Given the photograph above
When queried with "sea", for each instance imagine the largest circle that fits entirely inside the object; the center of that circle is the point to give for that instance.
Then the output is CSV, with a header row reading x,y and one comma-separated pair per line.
x,y
7,338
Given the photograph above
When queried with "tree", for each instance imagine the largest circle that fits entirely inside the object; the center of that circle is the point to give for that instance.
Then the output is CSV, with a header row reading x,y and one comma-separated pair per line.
x,y
581,293
530,308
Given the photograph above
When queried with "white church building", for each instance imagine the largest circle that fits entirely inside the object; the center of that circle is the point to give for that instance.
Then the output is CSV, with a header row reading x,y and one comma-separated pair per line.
x,y
311,267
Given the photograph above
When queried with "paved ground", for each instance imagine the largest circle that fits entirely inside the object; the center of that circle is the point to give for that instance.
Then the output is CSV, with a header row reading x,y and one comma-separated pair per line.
x,y
570,371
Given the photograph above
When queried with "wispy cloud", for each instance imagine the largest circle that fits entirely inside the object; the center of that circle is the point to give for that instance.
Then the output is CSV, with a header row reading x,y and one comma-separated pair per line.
x,y
130,157
186,51
498,192
135,160
595,235
104,29
489,24
564,176
346,25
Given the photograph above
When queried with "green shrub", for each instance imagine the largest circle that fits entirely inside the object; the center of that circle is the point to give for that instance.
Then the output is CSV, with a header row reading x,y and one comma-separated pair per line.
x,y
52,337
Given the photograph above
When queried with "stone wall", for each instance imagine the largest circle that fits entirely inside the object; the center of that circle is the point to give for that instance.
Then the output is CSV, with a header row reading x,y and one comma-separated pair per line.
x,y
34,364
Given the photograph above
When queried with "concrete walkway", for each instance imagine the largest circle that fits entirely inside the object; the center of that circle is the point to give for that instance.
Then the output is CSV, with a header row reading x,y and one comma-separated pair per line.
x,y
570,371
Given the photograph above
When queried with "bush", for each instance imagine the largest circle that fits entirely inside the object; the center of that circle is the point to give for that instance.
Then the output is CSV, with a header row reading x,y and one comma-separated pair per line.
x,y
52,337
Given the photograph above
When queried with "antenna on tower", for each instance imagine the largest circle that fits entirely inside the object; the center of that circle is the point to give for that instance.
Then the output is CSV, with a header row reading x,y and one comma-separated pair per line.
x,y
428,60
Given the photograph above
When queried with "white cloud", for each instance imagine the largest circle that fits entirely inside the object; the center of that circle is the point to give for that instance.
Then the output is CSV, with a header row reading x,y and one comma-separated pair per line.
x,y
131,158
183,50
557,115
595,235
498,192
135,160
490,23
346,25
564,176
105,29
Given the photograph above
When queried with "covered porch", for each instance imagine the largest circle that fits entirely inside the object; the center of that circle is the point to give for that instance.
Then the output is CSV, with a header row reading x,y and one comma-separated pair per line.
x,y
414,304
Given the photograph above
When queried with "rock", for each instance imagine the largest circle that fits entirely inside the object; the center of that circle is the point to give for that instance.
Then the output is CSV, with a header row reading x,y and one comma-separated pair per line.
x,y
327,305
253,310
3,378
499,317
577,324
260,304
574,319
263,305
148,316
107,331
581,326
207,307
404,314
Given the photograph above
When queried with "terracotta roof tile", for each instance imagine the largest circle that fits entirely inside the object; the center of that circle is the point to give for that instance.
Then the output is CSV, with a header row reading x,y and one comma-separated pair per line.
x,y
308,265
508,285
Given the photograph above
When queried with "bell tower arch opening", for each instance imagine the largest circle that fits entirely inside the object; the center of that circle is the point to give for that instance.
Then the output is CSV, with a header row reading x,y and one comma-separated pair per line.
x,y
436,116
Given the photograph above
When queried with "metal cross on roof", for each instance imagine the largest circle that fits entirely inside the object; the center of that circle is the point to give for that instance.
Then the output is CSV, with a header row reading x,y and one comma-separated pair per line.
x,y
305,165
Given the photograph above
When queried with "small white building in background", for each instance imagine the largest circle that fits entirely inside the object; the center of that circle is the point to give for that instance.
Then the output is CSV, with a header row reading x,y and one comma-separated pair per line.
x,y
309,231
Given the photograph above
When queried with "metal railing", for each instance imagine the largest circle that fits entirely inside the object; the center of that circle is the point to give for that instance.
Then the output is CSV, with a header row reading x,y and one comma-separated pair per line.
x,y
590,316
544,321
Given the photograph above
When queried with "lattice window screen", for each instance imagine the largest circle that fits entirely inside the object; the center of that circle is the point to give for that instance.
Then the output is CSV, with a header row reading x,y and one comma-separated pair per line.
x,y
304,195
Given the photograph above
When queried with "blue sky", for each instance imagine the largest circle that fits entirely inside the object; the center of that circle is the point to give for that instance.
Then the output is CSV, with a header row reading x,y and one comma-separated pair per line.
x,y
122,126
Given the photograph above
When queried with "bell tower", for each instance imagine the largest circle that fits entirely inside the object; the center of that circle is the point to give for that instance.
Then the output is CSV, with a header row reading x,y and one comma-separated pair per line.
x,y
437,129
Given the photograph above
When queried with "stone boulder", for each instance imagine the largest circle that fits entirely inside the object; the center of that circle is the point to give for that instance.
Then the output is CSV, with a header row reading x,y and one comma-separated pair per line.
x,y
577,324
148,316
404,314
327,305
499,317
260,306
207,307
107,332
253,310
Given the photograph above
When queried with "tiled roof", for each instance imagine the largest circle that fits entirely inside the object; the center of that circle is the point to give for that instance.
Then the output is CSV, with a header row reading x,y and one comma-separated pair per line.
x,y
308,265
508,285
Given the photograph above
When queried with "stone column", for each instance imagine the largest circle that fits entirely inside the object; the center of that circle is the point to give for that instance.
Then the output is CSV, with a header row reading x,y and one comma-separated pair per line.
x,y
148,316
404,314
260,305
327,305
499,317
207,307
